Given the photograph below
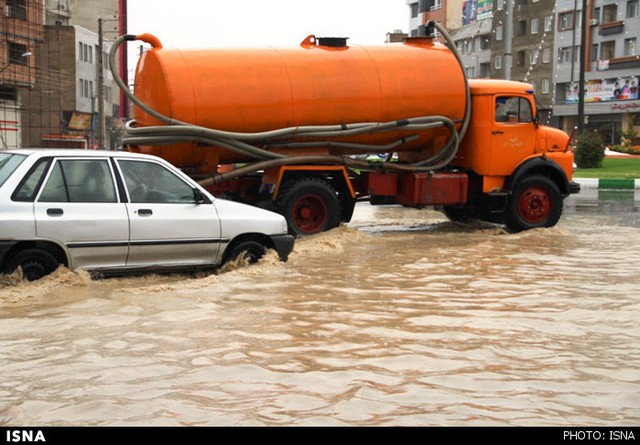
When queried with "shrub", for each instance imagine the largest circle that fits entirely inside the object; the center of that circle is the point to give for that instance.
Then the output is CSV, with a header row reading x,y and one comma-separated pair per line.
x,y
589,150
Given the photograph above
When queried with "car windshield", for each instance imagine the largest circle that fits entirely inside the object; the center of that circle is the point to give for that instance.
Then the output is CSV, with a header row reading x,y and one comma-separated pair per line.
x,y
8,164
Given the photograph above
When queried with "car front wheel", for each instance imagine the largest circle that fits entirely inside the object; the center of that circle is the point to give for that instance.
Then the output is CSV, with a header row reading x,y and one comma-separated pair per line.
x,y
249,250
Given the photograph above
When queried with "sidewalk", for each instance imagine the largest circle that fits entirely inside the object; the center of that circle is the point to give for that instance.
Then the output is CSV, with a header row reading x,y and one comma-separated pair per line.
x,y
611,184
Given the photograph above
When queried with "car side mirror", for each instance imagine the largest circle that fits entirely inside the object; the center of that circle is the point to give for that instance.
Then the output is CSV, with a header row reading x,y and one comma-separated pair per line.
x,y
536,120
199,196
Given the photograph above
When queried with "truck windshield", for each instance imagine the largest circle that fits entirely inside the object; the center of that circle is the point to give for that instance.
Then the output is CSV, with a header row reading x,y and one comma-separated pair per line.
x,y
8,163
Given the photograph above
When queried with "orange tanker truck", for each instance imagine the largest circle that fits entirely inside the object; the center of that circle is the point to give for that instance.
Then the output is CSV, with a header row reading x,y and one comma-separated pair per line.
x,y
294,130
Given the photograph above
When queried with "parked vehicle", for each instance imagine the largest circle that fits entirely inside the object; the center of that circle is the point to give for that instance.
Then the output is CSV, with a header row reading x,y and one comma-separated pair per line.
x,y
117,211
287,128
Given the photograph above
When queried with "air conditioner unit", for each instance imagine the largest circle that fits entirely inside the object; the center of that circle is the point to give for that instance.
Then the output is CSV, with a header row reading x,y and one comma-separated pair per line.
x,y
594,22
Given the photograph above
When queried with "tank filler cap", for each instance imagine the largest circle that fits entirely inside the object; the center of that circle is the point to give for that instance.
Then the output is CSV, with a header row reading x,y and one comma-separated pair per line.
x,y
326,42
333,42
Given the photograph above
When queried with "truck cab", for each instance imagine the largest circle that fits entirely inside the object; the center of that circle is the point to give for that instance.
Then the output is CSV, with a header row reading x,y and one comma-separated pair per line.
x,y
506,145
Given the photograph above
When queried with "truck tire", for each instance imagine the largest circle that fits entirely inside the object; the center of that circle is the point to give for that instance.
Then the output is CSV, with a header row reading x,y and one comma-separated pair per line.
x,y
310,206
535,202
35,263
459,214
252,250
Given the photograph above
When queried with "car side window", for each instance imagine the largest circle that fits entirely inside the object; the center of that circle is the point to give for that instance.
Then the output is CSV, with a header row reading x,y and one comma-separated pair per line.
x,y
80,180
513,110
29,186
149,182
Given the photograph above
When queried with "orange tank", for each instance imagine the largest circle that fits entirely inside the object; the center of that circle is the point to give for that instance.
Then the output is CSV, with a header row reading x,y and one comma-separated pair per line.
x,y
255,90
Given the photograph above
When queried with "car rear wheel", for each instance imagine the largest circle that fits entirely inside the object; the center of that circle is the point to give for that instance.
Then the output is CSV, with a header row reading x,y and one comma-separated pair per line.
x,y
35,263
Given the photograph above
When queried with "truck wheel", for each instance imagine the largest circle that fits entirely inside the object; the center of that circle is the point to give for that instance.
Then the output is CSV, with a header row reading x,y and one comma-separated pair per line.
x,y
535,202
460,214
251,250
35,263
310,206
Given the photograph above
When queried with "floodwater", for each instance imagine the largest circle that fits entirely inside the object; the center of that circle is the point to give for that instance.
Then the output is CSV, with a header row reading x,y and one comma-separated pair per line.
x,y
399,318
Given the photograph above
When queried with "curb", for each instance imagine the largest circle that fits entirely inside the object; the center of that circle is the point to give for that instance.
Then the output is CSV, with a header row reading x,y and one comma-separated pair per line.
x,y
610,184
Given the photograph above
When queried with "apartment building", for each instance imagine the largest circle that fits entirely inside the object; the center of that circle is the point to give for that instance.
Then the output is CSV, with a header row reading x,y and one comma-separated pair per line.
x,y
62,109
611,68
21,27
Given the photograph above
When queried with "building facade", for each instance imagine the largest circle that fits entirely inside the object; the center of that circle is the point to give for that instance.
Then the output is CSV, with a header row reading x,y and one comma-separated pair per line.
x,y
62,109
611,68
522,47
21,28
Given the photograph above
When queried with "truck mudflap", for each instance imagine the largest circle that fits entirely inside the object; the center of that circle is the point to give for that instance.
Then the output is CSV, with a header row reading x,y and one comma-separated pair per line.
x,y
283,245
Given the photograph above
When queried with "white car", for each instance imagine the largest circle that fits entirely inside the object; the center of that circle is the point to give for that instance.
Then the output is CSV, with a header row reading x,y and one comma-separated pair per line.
x,y
113,211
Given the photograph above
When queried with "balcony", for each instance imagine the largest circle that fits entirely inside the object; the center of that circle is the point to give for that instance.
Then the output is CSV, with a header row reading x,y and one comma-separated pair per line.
x,y
609,28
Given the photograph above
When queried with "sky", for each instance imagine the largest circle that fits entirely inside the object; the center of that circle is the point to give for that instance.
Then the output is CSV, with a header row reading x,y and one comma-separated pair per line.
x,y
259,23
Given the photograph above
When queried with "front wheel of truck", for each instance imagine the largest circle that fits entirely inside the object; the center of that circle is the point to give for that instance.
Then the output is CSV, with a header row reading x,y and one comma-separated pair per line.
x,y
534,202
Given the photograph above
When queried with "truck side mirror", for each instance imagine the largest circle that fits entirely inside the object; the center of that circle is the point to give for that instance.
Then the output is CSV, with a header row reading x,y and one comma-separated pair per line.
x,y
536,120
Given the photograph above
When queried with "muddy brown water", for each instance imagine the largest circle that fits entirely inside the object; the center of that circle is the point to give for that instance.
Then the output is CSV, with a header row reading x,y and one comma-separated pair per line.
x,y
399,318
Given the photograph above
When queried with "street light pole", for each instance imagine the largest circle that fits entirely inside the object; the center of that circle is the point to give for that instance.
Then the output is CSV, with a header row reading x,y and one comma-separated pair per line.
x,y
581,66
101,118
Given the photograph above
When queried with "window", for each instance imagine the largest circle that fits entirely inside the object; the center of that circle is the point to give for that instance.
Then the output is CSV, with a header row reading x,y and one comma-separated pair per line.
x,y
594,51
513,109
8,164
497,62
546,55
610,13
565,21
499,32
632,9
608,50
30,184
522,27
80,180
149,182
470,71
565,55
414,10
484,42
630,47
485,70
534,26
17,54
80,51
545,86
17,9
548,23
520,56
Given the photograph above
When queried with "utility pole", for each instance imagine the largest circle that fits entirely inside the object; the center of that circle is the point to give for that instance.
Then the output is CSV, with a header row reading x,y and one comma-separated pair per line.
x,y
581,66
101,118
508,40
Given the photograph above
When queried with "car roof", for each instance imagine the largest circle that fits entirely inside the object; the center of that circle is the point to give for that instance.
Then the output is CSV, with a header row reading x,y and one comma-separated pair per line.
x,y
63,152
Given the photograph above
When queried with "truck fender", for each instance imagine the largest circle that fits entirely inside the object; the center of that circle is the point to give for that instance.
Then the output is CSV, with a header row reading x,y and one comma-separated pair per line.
x,y
541,166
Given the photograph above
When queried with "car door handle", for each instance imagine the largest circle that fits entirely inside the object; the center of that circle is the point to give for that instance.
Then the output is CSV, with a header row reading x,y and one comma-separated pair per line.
x,y
497,132
145,212
55,212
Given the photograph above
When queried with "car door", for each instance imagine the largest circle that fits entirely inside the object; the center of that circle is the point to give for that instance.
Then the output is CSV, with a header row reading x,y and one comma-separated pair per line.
x,y
78,207
170,226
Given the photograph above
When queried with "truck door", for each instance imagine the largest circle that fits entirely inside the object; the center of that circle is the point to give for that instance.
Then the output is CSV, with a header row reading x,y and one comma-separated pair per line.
x,y
513,135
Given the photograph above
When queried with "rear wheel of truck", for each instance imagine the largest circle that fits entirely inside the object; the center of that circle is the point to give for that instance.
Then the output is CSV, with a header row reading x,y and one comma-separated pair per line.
x,y
535,202
310,205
